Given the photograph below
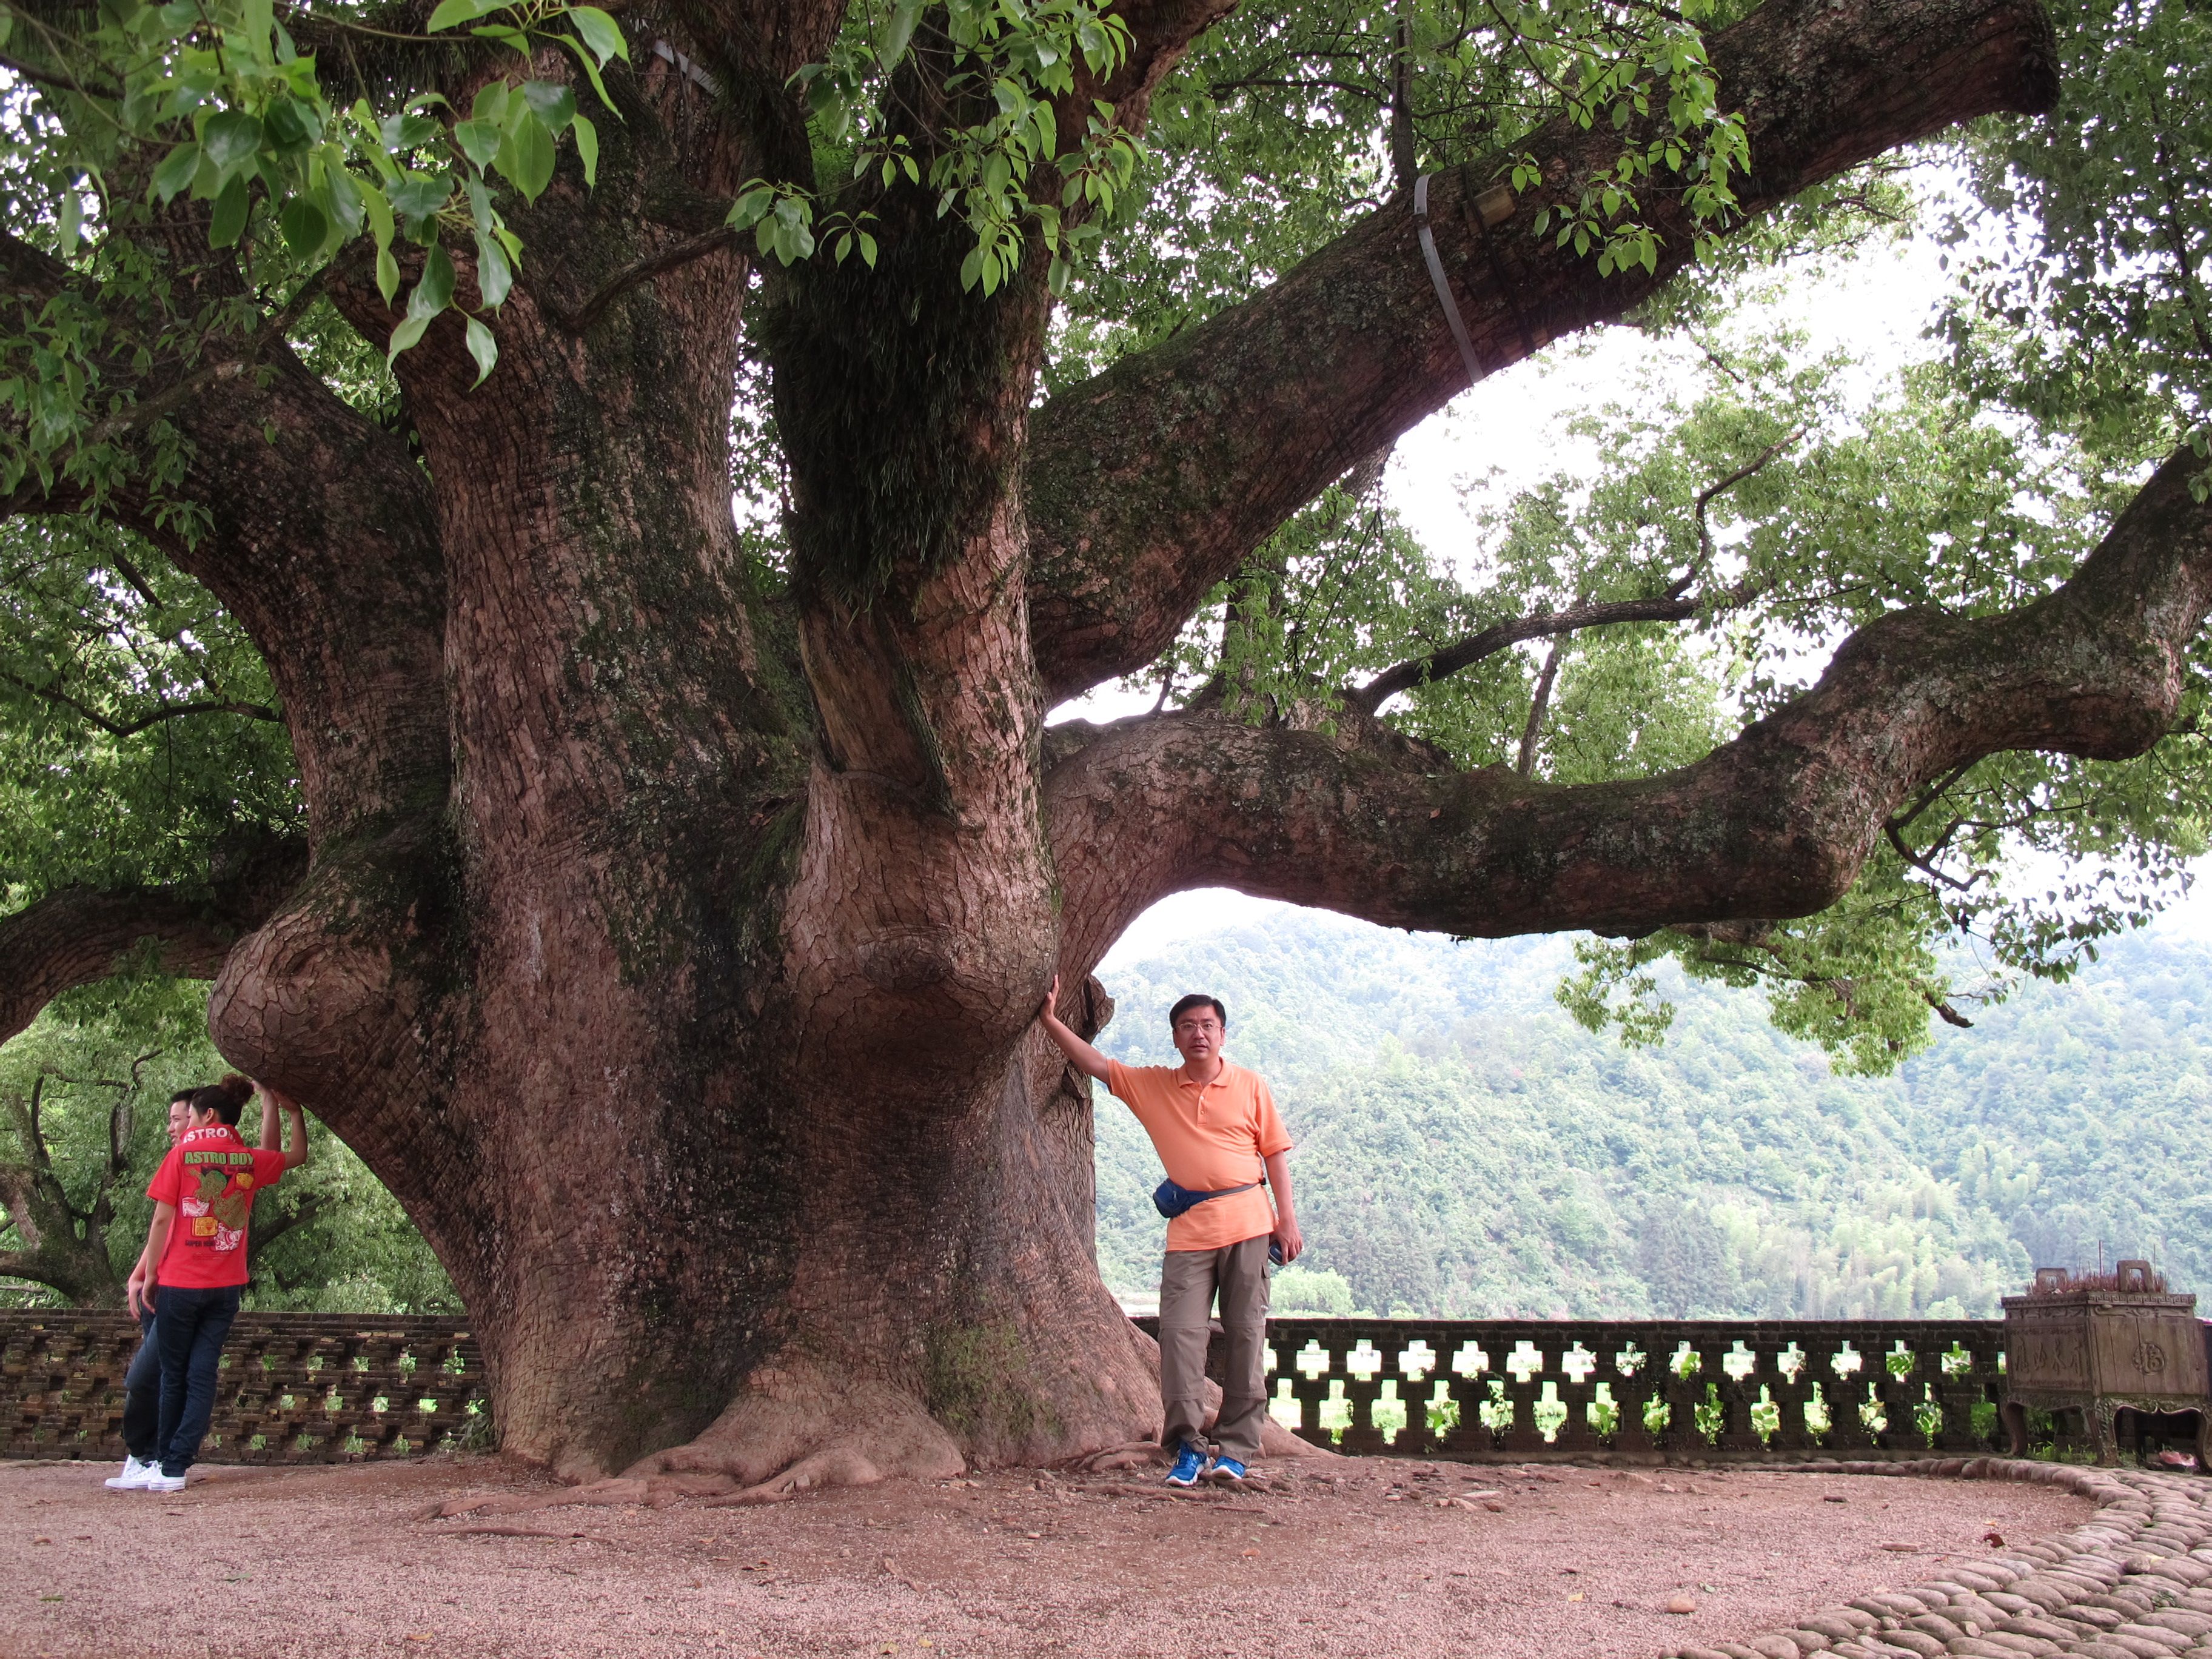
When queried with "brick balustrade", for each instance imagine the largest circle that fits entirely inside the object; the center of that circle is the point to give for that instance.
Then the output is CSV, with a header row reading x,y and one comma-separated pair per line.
x,y
307,1388
295,1388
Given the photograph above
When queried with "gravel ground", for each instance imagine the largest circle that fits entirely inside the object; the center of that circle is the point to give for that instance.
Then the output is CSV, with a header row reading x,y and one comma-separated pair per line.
x,y
1368,1559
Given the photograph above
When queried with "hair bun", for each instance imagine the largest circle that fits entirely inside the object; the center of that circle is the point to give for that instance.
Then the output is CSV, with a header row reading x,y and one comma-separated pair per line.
x,y
237,1086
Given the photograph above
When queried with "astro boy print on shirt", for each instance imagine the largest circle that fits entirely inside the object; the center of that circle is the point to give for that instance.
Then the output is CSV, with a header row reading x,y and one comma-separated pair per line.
x,y
211,1176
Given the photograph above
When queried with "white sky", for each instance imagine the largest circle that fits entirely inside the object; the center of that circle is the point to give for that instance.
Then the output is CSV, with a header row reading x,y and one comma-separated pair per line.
x,y
1875,307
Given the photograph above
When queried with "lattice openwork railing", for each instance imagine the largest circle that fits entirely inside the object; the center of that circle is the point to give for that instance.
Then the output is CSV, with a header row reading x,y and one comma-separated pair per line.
x,y
295,1388
323,1387
1534,1389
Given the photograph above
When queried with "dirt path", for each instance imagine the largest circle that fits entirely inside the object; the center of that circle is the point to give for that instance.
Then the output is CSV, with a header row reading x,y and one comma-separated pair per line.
x,y
1362,1561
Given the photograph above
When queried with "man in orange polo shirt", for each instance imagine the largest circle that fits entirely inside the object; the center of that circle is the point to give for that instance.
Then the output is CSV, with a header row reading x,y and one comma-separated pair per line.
x,y
1217,1131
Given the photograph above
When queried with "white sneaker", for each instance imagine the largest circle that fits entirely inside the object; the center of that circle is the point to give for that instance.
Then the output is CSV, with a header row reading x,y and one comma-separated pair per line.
x,y
158,1481
134,1477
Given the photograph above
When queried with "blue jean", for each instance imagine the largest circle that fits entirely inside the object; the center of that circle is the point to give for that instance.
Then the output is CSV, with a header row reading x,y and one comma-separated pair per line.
x,y
189,1330
142,1390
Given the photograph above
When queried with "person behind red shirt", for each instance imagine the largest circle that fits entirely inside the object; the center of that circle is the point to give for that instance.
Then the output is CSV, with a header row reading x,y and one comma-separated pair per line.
x,y
142,1383
195,1252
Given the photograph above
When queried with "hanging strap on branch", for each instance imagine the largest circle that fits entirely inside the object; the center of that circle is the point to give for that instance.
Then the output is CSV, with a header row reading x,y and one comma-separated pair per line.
x,y
1437,277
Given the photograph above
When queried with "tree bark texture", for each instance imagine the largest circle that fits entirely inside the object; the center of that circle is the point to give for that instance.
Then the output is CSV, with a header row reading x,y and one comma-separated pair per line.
x,y
671,947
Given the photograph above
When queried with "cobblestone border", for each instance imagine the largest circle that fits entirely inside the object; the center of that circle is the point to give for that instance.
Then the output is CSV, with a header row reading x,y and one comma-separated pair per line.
x,y
2133,1582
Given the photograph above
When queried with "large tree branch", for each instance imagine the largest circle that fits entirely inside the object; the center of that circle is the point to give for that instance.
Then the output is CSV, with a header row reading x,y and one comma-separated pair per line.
x,y
1464,653
272,1225
1776,824
1150,482
80,935
320,536
153,717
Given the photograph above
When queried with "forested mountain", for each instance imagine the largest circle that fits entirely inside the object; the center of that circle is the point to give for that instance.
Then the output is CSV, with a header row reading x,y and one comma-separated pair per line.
x,y
1466,1149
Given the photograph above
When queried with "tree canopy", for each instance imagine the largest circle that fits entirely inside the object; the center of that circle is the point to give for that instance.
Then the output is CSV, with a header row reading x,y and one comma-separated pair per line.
x,y
1595,633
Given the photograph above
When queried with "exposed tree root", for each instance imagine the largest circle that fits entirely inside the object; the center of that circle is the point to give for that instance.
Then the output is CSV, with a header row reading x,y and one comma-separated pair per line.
x,y
1136,1455
791,1431
798,1429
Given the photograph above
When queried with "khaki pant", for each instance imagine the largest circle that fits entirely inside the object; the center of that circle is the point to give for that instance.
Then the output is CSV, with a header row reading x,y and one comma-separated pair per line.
x,y
1188,1280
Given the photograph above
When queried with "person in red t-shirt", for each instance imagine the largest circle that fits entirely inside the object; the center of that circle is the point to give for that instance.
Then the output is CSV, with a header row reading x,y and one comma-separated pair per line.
x,y
142,1383
196,1254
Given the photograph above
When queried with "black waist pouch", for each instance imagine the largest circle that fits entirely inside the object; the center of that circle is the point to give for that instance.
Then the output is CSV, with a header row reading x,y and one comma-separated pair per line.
x,y
1172,1200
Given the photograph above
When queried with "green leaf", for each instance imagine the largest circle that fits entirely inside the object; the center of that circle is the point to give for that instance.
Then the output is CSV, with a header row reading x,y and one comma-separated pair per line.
x,y
405,132
421,195
898,32
304,226
176,170
409,331
434,289
479,141
289,126
483,348
495,276
259,21
192,89
72,215
387,274
231,139
229,222
526,156
591,71
376,207
588,148
600,33
868,249
342,199
751,206
554,103
450,13
491,104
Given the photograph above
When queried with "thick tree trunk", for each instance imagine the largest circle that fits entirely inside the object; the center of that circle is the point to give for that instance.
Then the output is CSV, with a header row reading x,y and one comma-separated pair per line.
x,y
699,1062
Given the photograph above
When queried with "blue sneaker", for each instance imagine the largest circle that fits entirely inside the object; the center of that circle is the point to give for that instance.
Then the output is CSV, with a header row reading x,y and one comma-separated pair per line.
x,y
1228,1471
1189,1464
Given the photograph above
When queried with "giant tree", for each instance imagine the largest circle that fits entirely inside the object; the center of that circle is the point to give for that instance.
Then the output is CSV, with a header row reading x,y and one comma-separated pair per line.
x,y
674,916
